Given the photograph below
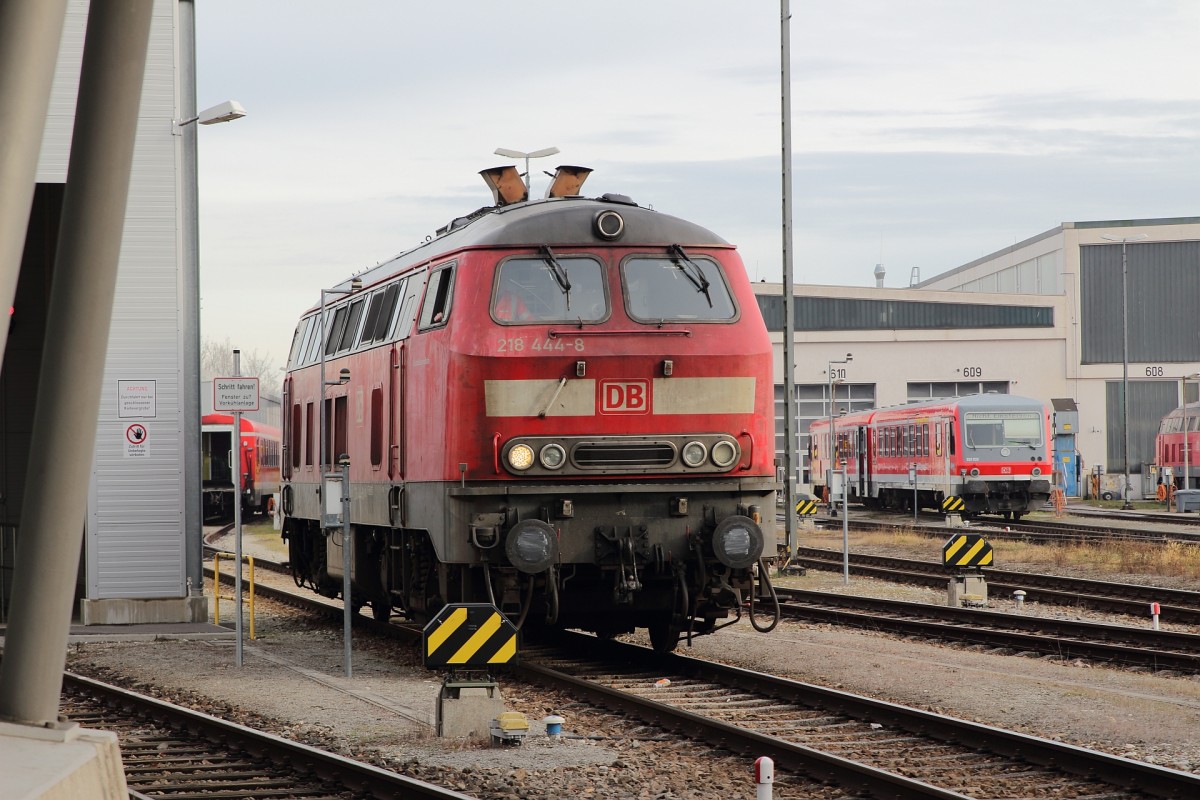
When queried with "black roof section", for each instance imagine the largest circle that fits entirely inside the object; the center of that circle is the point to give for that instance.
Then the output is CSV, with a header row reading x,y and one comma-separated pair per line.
x,y
557,222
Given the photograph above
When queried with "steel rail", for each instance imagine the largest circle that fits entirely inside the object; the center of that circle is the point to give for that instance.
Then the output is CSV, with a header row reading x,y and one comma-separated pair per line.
x,y
1177,605
275,750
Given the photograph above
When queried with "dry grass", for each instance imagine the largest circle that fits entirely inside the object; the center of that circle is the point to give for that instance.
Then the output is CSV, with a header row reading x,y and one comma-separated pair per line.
x,y
1172,559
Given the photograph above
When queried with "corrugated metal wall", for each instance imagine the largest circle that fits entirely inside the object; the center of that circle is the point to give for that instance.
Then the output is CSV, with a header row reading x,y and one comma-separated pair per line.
x,y
1163,298
135,538
1149,402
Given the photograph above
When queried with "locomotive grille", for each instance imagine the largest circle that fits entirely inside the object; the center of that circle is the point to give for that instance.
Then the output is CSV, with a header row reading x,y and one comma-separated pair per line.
x,y
623,455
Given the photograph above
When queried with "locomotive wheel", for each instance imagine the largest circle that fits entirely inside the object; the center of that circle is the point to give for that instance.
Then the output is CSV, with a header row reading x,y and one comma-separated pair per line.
x,y
381,609
664,635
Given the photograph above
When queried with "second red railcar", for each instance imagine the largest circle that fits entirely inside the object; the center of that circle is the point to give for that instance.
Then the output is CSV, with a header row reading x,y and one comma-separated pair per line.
x,y
991,451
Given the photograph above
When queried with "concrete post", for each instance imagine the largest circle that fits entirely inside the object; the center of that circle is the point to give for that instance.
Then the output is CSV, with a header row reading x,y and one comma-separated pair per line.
x,y
81,300
30,32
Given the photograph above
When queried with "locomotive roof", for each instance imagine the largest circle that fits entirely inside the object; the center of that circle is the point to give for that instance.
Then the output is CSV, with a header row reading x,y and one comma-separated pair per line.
x,y
557,222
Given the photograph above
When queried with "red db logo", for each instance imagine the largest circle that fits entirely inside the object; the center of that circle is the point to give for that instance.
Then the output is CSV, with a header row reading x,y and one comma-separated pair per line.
x,y
624,397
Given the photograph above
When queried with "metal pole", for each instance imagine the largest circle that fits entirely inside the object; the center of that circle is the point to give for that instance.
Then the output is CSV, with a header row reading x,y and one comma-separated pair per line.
x,y
1186,435
832,454
321,410
1125,368
189,220
790,454
30,32
236,453
845,526
347,605
77,326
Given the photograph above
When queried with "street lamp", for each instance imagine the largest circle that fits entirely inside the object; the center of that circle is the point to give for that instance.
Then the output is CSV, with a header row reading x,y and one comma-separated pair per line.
x,y
189,266
343,378
1187,439
545,151
832,438
1125,351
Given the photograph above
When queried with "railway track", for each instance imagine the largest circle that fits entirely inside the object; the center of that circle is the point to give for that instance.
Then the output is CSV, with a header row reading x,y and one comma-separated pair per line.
x,y
172,752
860,744
818,734
1177,605
1046,532
1066,639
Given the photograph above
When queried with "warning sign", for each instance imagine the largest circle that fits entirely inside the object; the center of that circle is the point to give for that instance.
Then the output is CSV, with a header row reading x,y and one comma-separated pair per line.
x,y
135,440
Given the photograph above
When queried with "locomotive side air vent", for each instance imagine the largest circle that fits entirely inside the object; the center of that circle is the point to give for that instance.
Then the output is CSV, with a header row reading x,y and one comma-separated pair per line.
x,y
623,455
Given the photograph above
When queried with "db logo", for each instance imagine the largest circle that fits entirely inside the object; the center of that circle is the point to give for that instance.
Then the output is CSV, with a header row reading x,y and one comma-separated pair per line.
x,y
624,397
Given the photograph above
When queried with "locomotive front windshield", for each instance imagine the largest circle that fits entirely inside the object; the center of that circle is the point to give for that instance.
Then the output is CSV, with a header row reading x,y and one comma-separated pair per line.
x,y
1004,429
679,288
549,288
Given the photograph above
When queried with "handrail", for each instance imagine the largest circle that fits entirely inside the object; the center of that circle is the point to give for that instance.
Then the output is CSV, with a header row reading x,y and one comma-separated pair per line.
x,y
218,597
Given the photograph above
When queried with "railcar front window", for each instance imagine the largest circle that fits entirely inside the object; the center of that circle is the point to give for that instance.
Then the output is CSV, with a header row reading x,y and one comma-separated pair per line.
x,y
1004,429
676,290
549,288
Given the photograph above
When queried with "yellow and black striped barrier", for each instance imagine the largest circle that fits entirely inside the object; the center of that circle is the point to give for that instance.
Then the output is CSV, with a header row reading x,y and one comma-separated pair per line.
x,y
806,508
469,635
966,550
953,505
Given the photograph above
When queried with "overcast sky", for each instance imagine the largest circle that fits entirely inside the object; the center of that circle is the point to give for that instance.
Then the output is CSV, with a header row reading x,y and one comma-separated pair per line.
x,y
926,133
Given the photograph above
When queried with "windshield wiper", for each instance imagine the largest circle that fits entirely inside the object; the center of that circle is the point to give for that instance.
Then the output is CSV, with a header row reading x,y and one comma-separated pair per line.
x,y
695,274
560,274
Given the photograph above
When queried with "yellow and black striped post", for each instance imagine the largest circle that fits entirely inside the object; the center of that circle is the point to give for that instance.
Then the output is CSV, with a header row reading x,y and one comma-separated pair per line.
x,y
967,550
806,508
953,505
469,635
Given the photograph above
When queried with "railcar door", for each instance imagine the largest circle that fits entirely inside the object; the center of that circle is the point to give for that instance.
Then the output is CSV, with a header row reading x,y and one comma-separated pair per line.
x,y
863,444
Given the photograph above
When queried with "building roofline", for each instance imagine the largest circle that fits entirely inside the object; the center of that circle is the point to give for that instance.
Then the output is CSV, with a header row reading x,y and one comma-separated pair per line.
x,y
1111,223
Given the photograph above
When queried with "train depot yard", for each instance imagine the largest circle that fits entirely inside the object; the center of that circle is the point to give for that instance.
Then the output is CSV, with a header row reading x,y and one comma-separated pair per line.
x,y
291,684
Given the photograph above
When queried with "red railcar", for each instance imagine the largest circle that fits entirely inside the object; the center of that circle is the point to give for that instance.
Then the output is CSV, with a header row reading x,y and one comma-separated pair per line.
x,y
563,407
989,451
258,458
1176,430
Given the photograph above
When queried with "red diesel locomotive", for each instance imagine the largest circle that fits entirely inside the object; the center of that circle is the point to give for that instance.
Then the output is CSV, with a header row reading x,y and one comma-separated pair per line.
x,y
259,461
1175,431
991,451
562,407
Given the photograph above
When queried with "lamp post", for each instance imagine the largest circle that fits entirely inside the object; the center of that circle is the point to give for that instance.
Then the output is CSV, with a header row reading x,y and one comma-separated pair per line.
x,y
1187,438
189,216
832,430
343,377
1125,352
545,151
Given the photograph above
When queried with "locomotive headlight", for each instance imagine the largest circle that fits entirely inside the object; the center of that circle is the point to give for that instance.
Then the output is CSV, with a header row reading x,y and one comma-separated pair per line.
x,y
694,454
552,456
531,546
520,457
737,542
724,454
1037,471
974,472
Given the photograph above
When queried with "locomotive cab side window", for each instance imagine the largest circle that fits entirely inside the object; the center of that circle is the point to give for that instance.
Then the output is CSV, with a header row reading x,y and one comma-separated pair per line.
x,y
410,290
438,294
549,288
679,289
